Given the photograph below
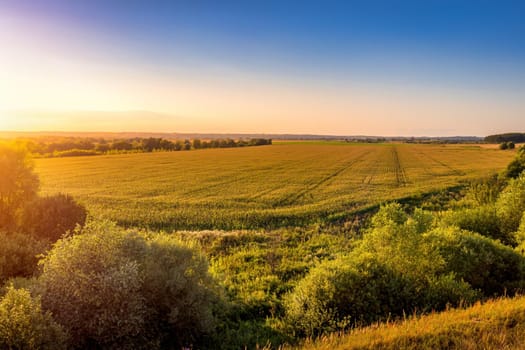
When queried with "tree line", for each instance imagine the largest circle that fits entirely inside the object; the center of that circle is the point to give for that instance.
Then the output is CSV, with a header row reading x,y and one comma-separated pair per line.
x,y
515,137
75,146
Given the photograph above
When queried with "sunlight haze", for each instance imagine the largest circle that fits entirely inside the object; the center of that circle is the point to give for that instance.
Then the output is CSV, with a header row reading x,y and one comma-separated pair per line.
x,y
341,68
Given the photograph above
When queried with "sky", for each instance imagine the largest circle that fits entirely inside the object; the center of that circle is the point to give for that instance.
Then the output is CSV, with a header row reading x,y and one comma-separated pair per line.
x,y
390,68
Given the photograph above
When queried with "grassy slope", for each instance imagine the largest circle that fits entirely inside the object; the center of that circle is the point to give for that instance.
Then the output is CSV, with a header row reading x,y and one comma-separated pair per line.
x,y
260,187
497,324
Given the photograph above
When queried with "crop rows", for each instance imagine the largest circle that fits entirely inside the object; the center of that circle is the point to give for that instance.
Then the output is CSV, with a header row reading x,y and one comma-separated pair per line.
x,y
287,184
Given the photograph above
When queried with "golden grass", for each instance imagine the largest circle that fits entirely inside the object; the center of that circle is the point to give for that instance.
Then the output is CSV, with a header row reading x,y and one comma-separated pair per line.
x,y
287,184
497,324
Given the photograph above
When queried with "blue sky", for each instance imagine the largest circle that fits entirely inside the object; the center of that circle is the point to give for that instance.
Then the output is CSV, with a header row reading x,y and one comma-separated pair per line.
x,y
337,67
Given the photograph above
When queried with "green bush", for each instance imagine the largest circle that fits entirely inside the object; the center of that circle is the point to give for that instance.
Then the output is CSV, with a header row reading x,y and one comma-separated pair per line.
x,y
180,294
51,217
484,191
517,166
485,264
19,255
511,205
356,291
519,236
113,288
345,292
23,324
480,219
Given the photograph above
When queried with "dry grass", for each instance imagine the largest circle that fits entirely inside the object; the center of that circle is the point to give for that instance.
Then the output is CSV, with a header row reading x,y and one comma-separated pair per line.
x,y
497,324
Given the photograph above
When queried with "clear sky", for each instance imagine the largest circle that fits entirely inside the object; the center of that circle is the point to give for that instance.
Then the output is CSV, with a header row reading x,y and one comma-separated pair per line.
x,y
322,67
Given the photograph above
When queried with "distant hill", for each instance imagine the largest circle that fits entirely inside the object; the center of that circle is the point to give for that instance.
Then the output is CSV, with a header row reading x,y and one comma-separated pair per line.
x,y
513,136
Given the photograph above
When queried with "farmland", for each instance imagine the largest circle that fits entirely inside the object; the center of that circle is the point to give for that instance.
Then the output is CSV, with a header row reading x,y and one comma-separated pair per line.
x,y
287,184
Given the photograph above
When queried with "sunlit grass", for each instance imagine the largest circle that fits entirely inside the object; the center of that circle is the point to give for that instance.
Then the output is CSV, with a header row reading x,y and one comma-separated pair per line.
x,y
268,186
497,324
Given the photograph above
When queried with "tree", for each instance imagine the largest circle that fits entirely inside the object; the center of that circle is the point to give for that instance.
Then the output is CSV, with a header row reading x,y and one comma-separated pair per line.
x,y
197,143
18,184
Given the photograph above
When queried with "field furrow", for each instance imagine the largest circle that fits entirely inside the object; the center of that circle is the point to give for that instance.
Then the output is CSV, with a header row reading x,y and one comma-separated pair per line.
x,y
285,184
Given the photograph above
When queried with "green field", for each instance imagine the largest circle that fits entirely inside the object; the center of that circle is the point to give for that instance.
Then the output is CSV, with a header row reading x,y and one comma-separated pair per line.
x,y
286,184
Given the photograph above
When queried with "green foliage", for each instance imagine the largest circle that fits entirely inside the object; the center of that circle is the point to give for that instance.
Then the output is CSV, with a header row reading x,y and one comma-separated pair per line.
x,y
18,255
112,288
53,216
344,292
480,219
18,184
178,291
23,324
511,205
485,264
484,191
517,166
400,243
519,236
92,287
388,215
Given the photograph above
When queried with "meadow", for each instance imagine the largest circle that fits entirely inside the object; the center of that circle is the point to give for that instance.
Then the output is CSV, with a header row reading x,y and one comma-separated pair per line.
x,y
286,184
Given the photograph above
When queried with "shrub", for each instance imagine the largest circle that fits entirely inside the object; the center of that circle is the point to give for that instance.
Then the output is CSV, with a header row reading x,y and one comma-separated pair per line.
x,y
178,291
18,255
484,191
113,288
343,292
511,205
93,289
481,219
51,217
355,291
520,236
485,264
23,324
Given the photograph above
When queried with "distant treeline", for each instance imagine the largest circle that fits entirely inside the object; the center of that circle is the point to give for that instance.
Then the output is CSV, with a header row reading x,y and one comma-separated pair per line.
x,y
69,147
508,137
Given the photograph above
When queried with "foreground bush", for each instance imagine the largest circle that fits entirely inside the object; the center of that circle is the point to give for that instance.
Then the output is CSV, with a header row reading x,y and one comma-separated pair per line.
x,y
402,265
341,293
113,288
511,205
486,265
23,324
